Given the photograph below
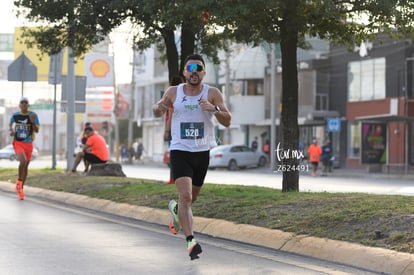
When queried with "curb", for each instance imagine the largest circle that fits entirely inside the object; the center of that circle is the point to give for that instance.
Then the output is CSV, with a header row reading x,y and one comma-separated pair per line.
x,y
370,258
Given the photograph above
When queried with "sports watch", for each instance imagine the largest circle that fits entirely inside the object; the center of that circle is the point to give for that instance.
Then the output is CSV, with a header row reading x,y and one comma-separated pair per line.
x,y
217,109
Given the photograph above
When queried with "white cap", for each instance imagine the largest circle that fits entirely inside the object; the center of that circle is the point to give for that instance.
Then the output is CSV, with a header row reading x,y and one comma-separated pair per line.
x,y
24,99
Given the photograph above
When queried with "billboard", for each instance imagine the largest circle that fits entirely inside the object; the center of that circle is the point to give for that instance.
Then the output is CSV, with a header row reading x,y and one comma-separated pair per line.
x,y
374,143
42,62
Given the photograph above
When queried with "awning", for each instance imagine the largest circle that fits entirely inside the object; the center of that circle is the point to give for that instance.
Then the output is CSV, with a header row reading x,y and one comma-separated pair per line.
x,y
315,118
385,118
302,121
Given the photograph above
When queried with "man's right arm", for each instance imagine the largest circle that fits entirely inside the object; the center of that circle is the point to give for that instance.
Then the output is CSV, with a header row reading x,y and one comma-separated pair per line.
x,y
167,131
159,108
11,130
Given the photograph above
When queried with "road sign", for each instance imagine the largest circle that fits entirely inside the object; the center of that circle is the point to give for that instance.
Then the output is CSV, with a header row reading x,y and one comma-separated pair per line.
x,y
333,124
80,90
55,68
22,69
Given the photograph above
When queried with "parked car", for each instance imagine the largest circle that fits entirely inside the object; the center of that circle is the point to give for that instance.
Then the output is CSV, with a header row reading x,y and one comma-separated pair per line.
x,y
234,157
7,152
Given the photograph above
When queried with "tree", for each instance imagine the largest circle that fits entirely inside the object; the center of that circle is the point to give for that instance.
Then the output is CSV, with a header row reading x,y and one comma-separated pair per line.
x,y
159,21
287,23
89,21
77,24
274,21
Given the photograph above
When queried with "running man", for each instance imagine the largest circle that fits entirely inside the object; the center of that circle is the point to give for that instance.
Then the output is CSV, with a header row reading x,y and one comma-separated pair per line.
x,y
192,135
23,126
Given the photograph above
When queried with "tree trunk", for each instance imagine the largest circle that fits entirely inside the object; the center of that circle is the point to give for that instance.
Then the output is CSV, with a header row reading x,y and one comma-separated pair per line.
x,y
289,115
172,53
175,66
187,43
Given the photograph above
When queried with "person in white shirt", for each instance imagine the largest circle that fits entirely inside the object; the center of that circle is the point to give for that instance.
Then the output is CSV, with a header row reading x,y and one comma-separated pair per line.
x,y
192,135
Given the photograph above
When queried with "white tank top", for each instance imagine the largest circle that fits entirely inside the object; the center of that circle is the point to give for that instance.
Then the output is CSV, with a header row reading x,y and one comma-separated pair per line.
x,y
192,129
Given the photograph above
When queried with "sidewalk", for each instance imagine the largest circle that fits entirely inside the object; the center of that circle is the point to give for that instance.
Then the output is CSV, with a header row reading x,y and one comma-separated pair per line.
x,y
370,258
360,173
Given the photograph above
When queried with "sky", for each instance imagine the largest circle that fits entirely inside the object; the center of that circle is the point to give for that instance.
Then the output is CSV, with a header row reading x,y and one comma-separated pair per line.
x,y
7,22
7,18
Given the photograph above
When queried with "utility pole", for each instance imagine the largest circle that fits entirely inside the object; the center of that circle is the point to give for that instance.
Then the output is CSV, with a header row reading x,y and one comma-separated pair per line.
x,y
70,127
116,124
57,61
227,95
132,103
273,134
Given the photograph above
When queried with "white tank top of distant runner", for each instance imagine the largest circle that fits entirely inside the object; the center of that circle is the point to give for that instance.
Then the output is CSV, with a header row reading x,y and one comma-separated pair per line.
x,y
192,129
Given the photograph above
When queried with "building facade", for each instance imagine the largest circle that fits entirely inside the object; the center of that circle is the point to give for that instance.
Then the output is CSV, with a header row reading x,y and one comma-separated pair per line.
x,y
376,82
367,93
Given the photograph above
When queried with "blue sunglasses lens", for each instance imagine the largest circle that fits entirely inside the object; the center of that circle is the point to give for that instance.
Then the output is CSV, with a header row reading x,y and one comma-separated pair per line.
x,y
194,67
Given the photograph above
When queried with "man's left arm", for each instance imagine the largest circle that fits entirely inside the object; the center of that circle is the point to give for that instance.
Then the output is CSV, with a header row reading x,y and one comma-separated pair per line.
x,y
34,120
220,110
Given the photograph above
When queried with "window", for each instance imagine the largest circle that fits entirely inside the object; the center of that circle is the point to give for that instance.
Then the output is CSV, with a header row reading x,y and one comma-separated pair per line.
x,y
354,140
321,102
247,87
366,79
254,87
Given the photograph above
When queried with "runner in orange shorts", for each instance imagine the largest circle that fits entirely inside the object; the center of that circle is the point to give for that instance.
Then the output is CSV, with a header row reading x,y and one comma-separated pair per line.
x,y
23,126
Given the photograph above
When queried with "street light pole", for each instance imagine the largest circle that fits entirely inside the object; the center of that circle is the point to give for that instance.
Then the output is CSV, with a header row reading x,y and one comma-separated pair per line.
x,y
55,61
273,134
70,129
70,126
132,103
227,95
406,115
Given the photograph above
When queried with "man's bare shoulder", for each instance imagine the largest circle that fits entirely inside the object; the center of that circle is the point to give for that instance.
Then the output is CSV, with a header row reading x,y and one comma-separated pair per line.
x,y
214,92
171,91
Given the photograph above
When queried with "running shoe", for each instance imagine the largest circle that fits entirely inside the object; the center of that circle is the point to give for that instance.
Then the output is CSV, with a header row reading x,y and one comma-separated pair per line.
x,y
19,189
21,195
174,223
171,181
172,229
193,249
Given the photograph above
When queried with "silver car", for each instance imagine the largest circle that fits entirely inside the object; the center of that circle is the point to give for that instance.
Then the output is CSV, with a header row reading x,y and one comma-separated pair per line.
x,y
234,157
7,152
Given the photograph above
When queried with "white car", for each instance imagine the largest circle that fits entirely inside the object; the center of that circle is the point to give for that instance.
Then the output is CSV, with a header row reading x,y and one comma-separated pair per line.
x,y
234,157
7,152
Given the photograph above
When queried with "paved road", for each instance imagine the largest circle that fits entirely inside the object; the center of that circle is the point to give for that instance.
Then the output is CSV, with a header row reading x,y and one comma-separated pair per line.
x,y
341,181
41,237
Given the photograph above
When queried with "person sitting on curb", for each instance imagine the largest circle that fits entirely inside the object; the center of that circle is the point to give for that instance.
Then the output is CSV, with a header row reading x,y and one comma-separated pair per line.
x,y
94,151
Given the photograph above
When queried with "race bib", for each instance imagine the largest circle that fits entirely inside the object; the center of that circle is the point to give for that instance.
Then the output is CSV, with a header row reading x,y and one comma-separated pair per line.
x,y
192,130
22,133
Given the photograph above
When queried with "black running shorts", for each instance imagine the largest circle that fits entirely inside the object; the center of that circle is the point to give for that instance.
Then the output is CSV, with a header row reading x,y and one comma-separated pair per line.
x,y
91,158
190,164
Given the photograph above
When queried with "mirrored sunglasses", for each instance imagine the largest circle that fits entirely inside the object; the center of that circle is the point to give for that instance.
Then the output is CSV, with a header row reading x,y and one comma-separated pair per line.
x,y
194,68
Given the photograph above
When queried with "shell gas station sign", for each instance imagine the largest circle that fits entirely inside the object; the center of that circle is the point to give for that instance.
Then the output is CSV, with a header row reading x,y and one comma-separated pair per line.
x,y
99,70
99,83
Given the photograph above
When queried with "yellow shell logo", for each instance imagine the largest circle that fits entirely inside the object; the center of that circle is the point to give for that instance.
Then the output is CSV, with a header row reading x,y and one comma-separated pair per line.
x,y
99,68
